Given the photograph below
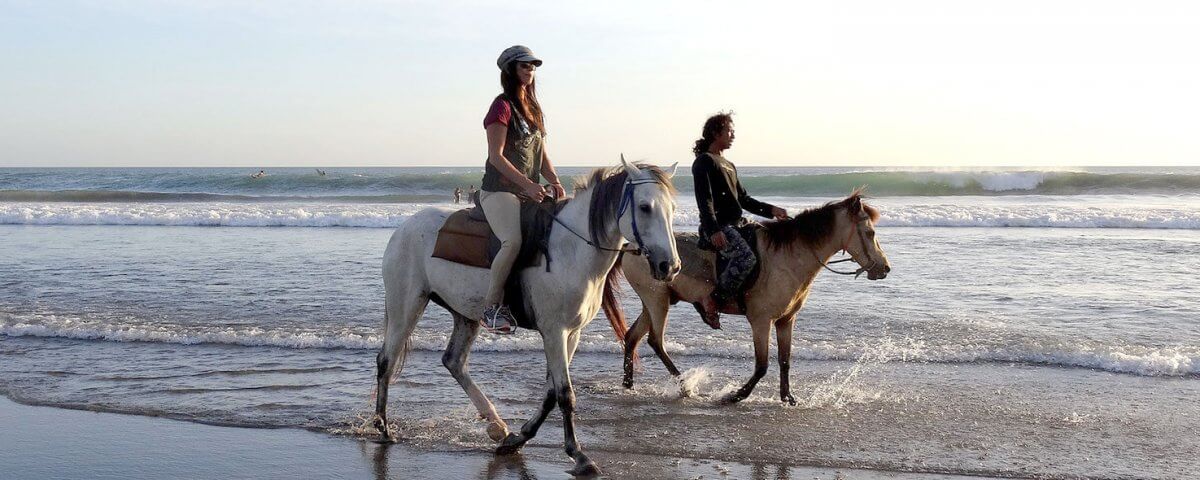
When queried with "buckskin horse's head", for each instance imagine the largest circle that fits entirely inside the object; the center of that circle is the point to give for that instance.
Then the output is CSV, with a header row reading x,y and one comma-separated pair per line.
x,y
860,240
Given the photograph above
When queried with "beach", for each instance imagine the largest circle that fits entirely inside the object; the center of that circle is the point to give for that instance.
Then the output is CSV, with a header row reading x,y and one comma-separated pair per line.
x,y
44,442
1036,324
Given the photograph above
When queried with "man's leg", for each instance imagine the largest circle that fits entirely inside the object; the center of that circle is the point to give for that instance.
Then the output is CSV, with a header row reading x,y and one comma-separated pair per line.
x,y
741,261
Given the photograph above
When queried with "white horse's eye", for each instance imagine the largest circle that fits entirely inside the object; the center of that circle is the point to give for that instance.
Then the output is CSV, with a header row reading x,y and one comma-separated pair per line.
x,y
645,208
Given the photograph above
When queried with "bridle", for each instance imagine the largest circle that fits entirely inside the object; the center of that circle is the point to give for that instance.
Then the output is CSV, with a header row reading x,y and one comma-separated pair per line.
x,y
845,248
626,202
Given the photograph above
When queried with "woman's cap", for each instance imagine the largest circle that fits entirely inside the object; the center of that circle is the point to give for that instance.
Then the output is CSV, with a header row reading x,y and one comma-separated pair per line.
x,y
517,53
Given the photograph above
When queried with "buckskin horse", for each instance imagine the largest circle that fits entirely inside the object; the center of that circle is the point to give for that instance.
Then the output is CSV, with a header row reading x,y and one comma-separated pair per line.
x,y
791,254
631,203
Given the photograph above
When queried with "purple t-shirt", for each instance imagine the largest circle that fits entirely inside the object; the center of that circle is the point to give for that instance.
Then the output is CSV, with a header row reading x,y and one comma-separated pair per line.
x,y
499,113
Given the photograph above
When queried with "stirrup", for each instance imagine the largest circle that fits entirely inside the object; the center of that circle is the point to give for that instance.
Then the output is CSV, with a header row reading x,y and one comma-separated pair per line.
x,y
498,320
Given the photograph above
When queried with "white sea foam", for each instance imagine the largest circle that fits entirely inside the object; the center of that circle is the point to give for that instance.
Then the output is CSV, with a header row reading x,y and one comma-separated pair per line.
x,y
1132,213
1138,360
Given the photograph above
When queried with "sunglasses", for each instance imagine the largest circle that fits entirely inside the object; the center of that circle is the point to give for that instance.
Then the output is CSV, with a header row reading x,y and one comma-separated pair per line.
x,y
526,66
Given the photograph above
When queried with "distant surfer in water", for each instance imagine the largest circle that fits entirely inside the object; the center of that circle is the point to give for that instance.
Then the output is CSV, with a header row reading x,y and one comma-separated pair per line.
x,y
260,174
320,172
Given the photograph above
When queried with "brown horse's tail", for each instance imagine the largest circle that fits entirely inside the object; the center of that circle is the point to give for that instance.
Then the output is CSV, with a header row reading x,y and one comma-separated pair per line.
x,y
612,309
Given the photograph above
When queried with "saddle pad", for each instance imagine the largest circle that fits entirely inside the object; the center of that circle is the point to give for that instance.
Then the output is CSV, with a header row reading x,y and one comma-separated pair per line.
x,y
464,240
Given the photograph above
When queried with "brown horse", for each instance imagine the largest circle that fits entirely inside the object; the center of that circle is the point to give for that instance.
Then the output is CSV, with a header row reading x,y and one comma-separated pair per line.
x,y
791,254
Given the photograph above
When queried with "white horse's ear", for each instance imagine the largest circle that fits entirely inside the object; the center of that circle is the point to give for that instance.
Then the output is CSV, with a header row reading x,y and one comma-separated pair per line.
x,y
671,171
630,168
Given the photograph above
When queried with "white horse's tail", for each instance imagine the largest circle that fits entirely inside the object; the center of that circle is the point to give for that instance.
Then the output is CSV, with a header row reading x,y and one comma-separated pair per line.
x,y
612,309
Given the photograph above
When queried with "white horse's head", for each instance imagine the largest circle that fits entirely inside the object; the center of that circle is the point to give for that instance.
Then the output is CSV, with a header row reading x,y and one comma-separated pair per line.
x,y
645,216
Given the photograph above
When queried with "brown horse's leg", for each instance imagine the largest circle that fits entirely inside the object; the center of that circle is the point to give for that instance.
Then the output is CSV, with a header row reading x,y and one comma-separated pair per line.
x,y
760,330
783,333
632,338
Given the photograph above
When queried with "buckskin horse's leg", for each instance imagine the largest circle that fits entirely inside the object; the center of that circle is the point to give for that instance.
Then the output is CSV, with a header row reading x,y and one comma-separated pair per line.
x,y
657,309
455,360
760,330
783,333
632,338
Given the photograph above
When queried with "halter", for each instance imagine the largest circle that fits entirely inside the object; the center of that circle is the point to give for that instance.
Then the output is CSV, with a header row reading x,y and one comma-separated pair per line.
x,y
845,247
626,201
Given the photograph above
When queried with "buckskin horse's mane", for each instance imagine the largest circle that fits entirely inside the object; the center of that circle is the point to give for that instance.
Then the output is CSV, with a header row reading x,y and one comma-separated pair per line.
x,y
609,185
812,227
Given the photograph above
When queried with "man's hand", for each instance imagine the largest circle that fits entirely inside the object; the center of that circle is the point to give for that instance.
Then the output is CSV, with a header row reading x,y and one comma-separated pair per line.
x,y
779,213
718,240
556,190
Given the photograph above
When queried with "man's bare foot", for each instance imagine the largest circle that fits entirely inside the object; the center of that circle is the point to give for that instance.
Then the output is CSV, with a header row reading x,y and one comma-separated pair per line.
x,y
709,312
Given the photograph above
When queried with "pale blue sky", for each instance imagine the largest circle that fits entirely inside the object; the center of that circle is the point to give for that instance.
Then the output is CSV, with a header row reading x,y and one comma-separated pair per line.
x,y
373,83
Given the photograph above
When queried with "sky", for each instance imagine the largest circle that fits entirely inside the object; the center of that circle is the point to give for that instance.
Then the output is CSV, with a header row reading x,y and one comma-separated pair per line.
x,y
379,83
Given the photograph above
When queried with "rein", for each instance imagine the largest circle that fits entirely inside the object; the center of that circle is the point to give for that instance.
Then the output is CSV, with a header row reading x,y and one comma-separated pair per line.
x,y
846,245
626,201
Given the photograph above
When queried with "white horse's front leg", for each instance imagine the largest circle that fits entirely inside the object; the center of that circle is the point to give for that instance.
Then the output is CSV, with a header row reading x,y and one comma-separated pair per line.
x,y
514,441
558,361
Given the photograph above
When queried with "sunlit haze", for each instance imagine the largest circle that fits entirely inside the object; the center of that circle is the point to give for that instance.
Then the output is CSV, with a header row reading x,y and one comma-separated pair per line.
x,y
373,83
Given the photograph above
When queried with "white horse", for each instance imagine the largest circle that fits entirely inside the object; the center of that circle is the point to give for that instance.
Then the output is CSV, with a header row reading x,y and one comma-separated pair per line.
x,y
631,204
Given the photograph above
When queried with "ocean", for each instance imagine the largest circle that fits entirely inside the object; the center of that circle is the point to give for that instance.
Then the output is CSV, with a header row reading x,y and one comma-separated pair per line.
x,y
1037,323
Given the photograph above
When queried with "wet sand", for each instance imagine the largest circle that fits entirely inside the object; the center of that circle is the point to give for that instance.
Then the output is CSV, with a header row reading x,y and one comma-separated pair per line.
x,y
46,442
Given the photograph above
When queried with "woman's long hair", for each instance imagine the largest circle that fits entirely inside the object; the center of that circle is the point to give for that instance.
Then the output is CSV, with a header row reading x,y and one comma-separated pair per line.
x,y
525,99
712,127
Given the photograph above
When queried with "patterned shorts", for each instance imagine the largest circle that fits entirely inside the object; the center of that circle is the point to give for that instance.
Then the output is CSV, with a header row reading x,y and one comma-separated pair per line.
x,y
741,262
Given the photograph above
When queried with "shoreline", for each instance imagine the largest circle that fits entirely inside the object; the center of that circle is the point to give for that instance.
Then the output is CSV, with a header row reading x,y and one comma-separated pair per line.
x,y
51,442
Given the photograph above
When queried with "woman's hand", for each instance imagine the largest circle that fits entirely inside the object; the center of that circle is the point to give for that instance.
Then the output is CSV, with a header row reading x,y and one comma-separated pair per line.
x,y
557,190
779,213
533,191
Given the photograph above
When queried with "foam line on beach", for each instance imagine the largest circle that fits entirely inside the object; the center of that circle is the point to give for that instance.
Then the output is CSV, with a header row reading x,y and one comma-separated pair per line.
x,y
1137,360
393,215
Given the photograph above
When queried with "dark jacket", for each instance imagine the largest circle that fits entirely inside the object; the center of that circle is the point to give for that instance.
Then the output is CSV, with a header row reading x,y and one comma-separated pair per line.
x,y
720,196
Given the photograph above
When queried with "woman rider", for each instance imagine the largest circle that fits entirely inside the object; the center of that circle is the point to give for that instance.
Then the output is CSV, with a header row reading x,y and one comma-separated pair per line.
x,y
516,160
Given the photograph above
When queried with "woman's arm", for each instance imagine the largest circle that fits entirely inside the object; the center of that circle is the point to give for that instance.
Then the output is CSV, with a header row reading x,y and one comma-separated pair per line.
x,y
552,175
496,134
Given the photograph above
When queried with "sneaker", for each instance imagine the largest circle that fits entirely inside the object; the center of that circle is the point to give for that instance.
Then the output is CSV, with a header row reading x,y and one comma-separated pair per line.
x,y
498,319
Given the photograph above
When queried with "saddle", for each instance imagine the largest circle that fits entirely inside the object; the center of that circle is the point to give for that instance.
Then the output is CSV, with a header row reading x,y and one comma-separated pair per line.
x,y
749,231
467,239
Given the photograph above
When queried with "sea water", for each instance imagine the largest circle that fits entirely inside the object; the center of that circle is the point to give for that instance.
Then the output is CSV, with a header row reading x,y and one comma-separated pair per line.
x,y
1035,323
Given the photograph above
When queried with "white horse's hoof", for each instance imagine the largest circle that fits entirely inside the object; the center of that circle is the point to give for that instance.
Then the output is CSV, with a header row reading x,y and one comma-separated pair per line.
x,y
497,431
585,469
